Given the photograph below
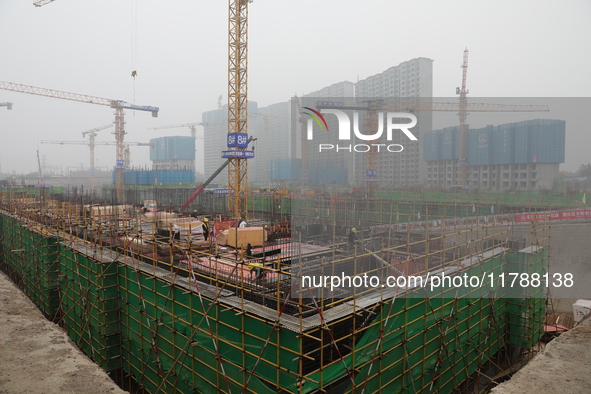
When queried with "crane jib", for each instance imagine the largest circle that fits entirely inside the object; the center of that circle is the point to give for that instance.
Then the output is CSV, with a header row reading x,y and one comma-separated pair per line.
x,y
123,104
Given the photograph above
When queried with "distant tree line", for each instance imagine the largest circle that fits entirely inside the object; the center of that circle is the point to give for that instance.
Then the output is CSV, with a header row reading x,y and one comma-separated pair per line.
x,y
584,170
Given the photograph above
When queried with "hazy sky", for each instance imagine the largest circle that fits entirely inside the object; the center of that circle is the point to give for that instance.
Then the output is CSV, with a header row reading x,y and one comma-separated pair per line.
x,y
179,49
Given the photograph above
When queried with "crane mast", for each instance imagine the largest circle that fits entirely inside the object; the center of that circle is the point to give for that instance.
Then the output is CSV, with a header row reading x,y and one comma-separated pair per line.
x,y
119,106
463,115
237,109
120,148
91,135
41,180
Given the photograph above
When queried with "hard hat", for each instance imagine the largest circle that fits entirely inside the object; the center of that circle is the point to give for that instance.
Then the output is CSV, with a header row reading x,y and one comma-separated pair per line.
x,y
266,226
206,220
194,210
354,229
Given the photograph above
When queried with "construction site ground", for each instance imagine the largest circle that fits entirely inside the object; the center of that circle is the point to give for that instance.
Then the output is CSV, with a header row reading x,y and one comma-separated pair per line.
x,y
37,356
562,367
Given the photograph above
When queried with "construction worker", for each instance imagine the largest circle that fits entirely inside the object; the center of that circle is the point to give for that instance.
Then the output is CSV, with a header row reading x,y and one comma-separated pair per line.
x,y
242,222
267,232
257,270
352,237
205,228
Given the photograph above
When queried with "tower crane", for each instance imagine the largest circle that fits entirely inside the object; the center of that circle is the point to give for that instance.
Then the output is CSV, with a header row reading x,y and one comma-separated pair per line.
x,y
410,106
126,160
41,180
463,115
91,135
118,105
192,126
237,140
7,105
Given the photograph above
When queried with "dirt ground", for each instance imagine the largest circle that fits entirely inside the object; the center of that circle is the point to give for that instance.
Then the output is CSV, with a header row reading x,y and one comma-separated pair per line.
x,y
562,367
37,356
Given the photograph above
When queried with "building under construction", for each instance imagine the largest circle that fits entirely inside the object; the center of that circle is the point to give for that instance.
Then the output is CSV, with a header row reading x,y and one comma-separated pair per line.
x,y
163,310
175,303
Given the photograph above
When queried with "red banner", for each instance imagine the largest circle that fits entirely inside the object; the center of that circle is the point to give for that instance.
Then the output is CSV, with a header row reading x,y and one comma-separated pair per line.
x,y
560,215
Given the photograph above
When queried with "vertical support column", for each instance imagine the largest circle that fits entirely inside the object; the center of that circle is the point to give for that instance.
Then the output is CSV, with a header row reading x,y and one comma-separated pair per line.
x,y
120,165
463,114
237,105
92,173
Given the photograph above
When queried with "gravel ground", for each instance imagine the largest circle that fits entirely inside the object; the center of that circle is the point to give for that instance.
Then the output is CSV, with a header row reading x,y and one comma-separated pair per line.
x,y
562,367
37,356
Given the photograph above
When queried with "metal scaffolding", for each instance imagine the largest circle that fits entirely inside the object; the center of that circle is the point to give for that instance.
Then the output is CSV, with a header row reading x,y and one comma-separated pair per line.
x,y
169,312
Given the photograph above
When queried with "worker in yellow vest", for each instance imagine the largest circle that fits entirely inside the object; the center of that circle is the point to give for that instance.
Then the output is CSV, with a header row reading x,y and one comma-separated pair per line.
x,y
205,228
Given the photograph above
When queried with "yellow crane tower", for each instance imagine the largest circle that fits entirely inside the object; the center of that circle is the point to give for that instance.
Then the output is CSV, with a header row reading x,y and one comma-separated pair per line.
x,y
238,139
118,105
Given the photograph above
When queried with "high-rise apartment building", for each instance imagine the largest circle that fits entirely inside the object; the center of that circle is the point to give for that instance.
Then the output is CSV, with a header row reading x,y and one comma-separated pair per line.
x,y
271,127
340,89
279,133
173,153
411,80
330,167
513,156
